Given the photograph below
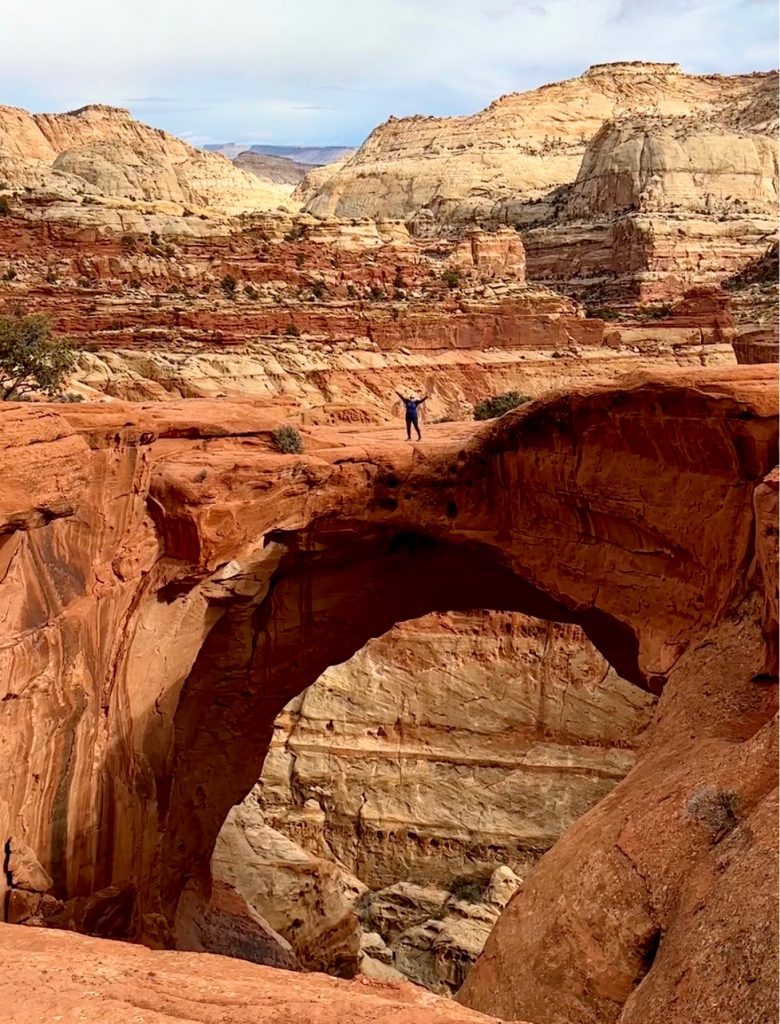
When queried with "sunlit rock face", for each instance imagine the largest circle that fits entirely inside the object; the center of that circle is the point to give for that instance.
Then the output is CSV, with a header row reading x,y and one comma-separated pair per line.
x,y
452,744
102,152
171,581
451,748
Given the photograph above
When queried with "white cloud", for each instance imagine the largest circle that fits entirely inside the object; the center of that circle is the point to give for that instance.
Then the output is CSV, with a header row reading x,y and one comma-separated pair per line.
x,y
220,69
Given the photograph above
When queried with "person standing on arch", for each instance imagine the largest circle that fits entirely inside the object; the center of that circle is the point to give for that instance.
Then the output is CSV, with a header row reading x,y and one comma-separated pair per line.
x,y
412,420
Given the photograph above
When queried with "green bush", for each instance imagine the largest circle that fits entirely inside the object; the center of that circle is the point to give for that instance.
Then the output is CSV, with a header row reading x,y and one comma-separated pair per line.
x,y
452,277
31,357
469,888
287,440
715,809
292,331
228,284
604,313
489,408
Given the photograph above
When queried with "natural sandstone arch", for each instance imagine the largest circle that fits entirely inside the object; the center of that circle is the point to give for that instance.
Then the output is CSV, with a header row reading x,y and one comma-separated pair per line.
x,y
336,587
189,582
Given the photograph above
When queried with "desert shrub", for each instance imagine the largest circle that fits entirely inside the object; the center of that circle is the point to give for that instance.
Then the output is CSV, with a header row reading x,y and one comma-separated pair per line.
x,y
287,440
351,291
469,888
31,357
70,396
376,293
9,274
398,280
654,312
452,277
228,284
604,313
497,405
319,290
156,302
154,239
251,293
714,808
5,207
292,331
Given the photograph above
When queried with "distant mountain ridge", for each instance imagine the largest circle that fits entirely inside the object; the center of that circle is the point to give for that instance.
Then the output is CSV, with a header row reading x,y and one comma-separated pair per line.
x,y
315,156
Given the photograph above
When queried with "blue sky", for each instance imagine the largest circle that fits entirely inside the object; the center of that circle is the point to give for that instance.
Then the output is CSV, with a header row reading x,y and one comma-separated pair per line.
x,y
327,71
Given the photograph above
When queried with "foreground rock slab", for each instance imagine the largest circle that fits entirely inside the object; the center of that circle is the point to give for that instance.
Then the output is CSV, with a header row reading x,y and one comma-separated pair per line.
x,y
58,976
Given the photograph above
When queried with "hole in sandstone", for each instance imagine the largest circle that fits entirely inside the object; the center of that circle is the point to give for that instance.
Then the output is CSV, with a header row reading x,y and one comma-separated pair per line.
x,y
349,845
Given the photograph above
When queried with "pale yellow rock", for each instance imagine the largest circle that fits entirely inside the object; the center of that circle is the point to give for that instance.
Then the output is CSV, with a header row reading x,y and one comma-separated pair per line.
x,y
102,151
524,145
307,900
419,773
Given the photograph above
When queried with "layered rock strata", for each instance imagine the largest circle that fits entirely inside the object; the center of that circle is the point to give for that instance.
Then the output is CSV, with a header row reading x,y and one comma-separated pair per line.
x,y
634,182
403,766
128,526
191,307
99,152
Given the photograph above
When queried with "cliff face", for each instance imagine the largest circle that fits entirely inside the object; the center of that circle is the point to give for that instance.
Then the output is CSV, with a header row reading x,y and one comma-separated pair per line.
x,y
452,750
100,152
525,144
662,912
633,182
337,316
174,536
402,765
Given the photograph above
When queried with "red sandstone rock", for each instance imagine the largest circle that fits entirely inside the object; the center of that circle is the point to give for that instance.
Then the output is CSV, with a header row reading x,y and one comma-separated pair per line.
x,y
51,975
184,580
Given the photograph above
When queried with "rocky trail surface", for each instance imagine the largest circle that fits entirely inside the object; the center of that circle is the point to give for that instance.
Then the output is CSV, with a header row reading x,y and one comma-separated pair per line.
x,y
56,976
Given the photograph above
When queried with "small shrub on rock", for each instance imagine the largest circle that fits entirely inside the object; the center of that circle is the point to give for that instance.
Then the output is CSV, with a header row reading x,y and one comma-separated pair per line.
x,y
469,888
287,440
715,809
228,284
452,278
32,358
497,405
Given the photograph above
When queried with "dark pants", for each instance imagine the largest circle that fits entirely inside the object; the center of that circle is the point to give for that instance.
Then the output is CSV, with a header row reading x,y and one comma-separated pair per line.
x,y
411,421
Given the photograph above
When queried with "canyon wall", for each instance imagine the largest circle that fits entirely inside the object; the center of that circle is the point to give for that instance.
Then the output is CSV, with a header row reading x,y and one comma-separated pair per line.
x,y
403,764
454,750
127,526
101,153
631,183
338,317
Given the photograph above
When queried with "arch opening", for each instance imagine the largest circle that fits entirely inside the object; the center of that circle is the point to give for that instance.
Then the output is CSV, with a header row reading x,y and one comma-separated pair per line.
x,y
337,585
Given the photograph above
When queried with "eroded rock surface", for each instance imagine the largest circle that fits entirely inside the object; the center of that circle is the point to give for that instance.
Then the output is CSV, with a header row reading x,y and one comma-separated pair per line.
x,y
631,182
626,510
52,974
99,152
403,764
